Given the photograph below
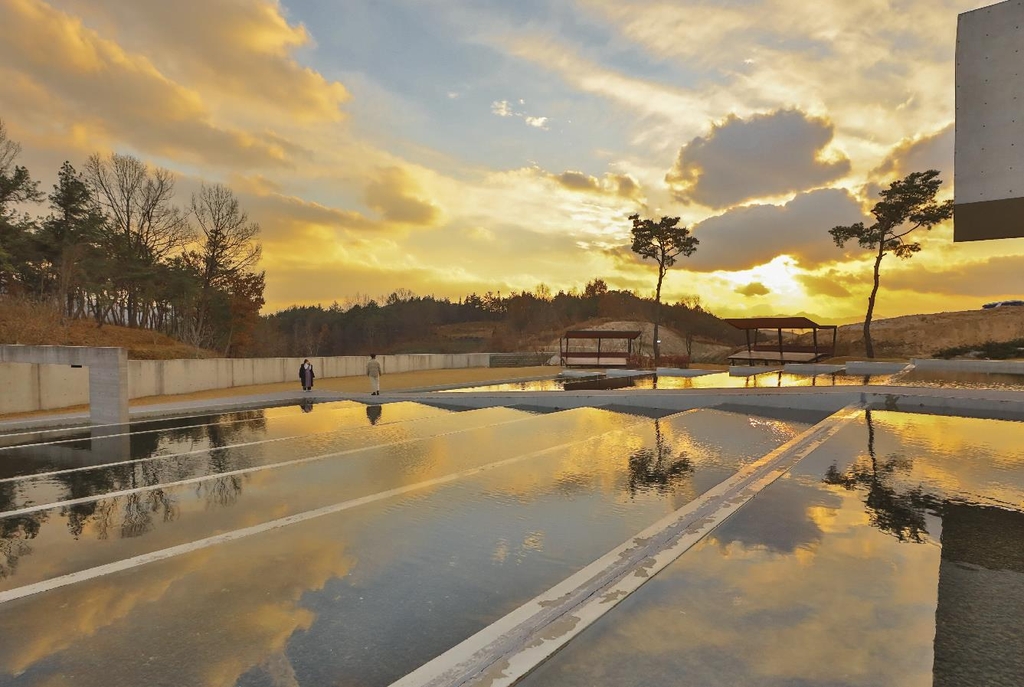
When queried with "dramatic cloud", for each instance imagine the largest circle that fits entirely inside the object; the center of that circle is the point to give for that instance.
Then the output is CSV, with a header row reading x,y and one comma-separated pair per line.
x,y
753,289
621,185
393,195
765,155
828,284
114,93
228,49
283,219
774,104
747,236
930,151
998,276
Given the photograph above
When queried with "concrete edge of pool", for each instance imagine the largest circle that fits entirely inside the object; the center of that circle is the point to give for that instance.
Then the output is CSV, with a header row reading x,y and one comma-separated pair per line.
x,y
992,402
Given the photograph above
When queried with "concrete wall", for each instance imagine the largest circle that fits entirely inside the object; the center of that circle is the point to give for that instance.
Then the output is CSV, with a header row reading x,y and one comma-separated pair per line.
x,y
27,387
989,149
1006,367
866,367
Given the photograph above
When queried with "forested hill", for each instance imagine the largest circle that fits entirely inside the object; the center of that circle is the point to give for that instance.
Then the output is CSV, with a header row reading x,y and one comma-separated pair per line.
x,y
521,321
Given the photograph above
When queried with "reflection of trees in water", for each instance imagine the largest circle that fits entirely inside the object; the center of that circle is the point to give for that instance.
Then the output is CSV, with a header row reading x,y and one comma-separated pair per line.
x,y
222,491
899,514
656,469
15,532
224,431
137,513
152,473
139,509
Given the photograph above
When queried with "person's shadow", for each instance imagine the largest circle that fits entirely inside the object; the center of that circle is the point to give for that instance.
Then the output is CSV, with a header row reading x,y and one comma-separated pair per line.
x,y
373,414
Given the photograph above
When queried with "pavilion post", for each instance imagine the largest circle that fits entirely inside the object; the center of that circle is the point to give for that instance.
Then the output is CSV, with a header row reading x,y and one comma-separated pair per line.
x,y
782,358
814,334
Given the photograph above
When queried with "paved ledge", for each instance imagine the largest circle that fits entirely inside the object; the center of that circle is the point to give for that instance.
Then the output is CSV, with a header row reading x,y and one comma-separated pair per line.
x,y
973,402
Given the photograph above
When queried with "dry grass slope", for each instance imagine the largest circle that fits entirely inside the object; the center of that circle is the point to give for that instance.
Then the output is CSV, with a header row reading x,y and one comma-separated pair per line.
x,y
921,336
30,323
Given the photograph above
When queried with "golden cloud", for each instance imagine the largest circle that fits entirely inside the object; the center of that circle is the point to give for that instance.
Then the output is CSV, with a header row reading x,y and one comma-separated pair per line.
x,y
114,92
754,288
622,185
932,150
393,195
747,236
228,50
828,284
254,609
767,155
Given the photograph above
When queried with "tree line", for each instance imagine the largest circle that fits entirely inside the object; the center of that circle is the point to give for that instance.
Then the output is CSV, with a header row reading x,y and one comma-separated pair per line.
x,y
403,322
115,246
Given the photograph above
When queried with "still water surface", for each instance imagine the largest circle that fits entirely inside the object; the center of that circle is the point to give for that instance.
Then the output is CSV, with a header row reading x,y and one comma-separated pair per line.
x,y
363,596
892,555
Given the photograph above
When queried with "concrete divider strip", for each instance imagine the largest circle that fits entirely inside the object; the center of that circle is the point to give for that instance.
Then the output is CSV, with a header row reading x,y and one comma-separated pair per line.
x,y
510,648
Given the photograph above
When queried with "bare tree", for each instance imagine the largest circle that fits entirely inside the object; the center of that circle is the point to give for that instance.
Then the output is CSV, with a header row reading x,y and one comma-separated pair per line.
x,y
228,243
145,223
226,251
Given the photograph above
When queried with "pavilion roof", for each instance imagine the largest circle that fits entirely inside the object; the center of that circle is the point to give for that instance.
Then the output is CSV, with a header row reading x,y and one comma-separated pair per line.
x,y
602,334
776,323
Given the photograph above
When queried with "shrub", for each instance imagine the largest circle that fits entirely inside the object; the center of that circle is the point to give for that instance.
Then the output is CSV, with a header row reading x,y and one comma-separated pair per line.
x,y
991,350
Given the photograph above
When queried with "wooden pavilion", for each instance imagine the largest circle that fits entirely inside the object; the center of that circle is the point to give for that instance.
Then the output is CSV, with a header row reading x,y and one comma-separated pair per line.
x,y
776,349
585,354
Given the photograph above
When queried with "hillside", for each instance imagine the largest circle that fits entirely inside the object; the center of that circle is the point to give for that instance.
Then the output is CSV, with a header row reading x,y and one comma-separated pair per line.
x,y
23,322
898,337
922,335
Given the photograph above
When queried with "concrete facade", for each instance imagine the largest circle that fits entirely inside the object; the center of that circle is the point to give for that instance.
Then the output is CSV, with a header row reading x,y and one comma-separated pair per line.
x,y
49,380
30,385
989,149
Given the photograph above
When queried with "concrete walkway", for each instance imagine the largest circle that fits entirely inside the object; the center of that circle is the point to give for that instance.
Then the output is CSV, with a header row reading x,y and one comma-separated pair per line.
x,y
264,395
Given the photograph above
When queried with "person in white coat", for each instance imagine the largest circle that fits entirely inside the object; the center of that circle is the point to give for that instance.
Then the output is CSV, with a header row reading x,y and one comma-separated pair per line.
x,y
373,371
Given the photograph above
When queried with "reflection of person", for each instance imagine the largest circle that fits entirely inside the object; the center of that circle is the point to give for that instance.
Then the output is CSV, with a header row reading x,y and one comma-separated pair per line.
x,y
373,414
306,375
306,405
373,371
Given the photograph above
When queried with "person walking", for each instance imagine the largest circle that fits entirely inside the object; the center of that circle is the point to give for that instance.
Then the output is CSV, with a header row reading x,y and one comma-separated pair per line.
x,y
306,375
373,372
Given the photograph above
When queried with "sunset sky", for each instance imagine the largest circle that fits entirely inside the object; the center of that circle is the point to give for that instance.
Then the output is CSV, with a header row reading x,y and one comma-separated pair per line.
x,y
450,146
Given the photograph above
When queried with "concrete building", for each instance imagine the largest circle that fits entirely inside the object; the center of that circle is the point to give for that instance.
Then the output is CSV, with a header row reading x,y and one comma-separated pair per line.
x,y
989,155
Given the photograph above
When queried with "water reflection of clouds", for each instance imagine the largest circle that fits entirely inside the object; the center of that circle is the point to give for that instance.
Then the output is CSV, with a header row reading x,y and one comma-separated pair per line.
x,y
839,604
784,524
213,614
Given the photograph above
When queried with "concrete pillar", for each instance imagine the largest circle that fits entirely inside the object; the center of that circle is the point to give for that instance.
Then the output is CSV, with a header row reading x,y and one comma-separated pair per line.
x,y
108,374
108,387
